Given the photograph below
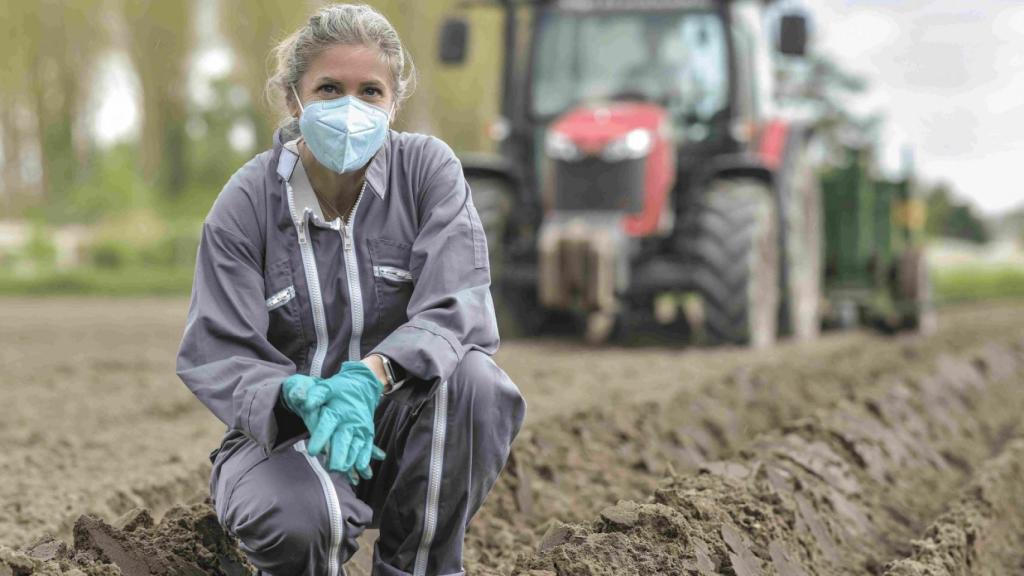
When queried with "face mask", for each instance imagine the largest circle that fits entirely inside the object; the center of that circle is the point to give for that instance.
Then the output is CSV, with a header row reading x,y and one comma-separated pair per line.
x,y
343,134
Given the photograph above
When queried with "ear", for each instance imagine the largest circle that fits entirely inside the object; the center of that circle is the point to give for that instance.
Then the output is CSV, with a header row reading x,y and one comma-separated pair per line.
x,y
293,105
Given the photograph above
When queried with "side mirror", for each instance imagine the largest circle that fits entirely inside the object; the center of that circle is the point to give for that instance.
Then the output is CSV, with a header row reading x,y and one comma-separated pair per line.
x,y
793,35
454,36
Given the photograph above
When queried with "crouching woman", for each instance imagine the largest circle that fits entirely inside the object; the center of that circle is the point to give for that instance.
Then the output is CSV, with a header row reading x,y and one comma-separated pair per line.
x,y
342,327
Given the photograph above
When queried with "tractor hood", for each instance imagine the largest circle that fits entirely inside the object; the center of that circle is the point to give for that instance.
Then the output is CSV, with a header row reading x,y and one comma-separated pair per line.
x,y
591,128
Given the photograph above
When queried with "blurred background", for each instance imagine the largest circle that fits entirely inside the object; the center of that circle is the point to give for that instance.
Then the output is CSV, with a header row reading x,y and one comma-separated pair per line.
x,y
121,120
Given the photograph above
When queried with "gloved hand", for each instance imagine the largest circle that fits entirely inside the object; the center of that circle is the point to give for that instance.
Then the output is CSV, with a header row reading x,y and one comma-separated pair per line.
x,y
346,403
294,390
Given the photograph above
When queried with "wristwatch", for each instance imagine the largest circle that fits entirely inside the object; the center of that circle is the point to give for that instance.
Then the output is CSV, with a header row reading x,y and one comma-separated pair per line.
x,y
393,382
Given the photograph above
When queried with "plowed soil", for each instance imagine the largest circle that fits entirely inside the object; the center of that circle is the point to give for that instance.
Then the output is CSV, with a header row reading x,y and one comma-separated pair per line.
x,y
855,454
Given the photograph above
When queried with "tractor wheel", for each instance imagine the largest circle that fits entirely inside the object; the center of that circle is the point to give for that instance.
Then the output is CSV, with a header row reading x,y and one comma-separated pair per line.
x,y
805,253
733,248
915,292
517,310
493,200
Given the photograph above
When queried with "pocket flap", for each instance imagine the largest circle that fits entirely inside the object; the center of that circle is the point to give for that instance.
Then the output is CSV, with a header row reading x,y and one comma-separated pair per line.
x,y
387,253
392,273
281,298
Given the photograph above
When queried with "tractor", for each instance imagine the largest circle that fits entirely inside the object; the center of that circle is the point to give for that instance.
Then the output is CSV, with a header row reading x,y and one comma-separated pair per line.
x,y
645,174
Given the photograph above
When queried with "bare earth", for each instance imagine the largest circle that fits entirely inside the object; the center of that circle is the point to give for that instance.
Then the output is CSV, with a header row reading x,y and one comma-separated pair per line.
x,y
97,422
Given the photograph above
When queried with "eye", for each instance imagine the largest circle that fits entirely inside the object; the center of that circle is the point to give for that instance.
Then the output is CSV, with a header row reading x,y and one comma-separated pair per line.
x,y
373,91
327,89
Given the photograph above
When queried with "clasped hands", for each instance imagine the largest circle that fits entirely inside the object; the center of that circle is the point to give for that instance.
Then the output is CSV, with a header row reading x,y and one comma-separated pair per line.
x,y
338,411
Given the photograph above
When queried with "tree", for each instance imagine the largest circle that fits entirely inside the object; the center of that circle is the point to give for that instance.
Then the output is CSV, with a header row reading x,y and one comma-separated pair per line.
x,y
824,86
252,28
51,48
951,218
159,36
12,92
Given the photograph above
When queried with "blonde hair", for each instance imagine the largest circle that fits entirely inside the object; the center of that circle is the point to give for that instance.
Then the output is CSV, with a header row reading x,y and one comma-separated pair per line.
x,y
349,24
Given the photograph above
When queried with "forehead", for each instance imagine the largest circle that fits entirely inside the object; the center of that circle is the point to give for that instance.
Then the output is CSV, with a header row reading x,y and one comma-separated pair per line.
x,y
347,63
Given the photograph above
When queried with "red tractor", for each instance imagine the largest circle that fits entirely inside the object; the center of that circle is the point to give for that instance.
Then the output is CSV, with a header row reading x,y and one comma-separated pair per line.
x,y
645,175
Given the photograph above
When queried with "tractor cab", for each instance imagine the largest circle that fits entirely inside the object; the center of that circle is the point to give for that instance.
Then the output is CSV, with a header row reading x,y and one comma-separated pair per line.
x,y
676,58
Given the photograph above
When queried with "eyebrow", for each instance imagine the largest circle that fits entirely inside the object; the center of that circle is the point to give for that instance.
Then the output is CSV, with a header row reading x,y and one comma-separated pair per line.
x,y
328,79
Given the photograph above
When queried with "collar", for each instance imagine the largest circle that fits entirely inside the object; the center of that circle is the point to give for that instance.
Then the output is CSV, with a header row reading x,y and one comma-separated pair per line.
x,y
291,169
288,165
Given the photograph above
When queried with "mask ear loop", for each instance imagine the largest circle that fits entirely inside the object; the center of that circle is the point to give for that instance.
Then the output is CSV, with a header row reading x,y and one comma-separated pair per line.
x,y
297,99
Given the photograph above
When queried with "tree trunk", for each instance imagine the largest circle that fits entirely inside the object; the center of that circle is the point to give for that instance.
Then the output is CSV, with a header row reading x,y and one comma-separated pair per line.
x,y
160,38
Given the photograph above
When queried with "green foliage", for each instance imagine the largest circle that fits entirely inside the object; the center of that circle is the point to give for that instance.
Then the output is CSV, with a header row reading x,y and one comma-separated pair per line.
x,y
40,249
99,282
144,239
950,218
113,186
212,158
970,283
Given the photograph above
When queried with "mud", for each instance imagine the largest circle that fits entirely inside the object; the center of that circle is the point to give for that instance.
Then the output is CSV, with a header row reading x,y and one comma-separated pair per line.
x,y
98,423
188,542
839,492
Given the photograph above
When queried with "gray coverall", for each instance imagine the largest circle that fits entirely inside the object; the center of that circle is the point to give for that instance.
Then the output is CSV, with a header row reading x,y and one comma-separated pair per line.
x,y
279,291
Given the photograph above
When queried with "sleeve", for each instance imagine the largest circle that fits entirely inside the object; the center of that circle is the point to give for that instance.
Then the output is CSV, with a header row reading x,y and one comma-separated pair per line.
x,y
450,311
225,357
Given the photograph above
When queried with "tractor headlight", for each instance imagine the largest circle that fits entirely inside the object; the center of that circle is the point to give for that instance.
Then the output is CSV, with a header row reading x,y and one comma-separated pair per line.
x,y
636,144
560,147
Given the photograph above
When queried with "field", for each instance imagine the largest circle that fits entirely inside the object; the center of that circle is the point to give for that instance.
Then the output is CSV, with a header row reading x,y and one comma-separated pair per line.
x,y
855,454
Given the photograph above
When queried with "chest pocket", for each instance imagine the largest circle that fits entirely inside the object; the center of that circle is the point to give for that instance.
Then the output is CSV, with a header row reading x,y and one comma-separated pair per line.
x,y
392,282
284,310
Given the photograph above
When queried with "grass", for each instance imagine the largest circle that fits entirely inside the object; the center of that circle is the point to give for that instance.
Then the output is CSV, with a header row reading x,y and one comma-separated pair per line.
x,y
973,283
99,282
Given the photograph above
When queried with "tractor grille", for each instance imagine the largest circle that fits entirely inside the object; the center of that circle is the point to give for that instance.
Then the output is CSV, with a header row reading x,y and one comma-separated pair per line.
x,y
594,184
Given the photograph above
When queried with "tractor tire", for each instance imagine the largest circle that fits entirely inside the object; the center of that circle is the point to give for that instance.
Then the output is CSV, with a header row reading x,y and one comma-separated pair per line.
x,y
732,245
914,294
804,253
493,200
517,309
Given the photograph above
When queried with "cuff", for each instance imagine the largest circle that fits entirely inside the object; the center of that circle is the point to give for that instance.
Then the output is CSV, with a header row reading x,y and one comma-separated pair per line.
x,y
261,414
424,349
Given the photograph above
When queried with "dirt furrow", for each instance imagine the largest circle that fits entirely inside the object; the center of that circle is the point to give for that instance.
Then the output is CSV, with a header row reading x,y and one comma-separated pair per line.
x,y
839,492
604,425
571,467
982,532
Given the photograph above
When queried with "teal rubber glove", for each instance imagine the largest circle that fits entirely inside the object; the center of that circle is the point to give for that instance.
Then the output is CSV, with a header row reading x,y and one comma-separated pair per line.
x,y
346,403
294,390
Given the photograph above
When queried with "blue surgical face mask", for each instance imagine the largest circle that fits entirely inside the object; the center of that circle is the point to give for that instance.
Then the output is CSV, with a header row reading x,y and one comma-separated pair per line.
x,y
344,133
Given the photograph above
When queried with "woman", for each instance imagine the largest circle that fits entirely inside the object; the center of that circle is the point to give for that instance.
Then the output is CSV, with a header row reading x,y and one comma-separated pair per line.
x,y
341,324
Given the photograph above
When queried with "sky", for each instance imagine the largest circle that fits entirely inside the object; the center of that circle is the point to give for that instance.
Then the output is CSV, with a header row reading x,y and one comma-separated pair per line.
x,y
948,76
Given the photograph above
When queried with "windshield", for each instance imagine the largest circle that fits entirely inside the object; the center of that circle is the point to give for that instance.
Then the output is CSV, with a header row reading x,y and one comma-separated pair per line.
x,y
677,59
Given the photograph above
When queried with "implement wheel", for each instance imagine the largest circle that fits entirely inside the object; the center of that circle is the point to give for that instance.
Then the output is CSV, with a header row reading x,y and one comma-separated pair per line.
x,y
915,292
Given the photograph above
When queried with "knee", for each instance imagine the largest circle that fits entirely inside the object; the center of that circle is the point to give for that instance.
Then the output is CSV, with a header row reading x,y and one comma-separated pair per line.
x,y
281,532
491,392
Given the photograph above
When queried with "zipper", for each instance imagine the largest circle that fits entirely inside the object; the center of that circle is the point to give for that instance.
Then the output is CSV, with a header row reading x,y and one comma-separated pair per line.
x,y
434,480
316,366
312,285
355,291
333,505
